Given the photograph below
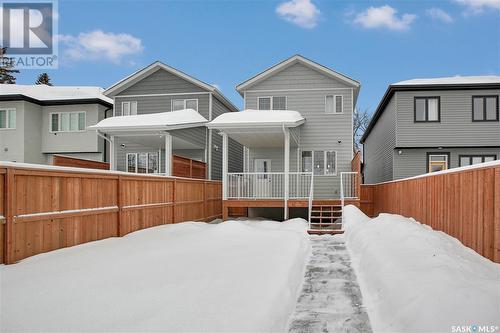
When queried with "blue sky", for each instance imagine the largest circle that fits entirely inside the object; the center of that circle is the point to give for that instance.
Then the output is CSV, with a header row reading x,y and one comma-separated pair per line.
x,y
226,42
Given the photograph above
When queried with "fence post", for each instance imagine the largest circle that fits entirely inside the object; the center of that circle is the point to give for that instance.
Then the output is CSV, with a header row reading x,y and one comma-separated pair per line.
x,y
119,204
10,194
174,200
496,217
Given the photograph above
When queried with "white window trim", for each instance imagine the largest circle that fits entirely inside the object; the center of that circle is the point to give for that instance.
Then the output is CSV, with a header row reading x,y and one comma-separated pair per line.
x,y
7,119
147,161
184,103
271,100
324,161
59,121
335,104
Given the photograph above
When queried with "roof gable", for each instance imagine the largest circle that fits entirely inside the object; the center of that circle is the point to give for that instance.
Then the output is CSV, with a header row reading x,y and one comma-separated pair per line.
x,y
293,61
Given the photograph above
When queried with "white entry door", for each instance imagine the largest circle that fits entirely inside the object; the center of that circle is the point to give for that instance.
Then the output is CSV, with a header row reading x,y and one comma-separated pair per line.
x,y
262,182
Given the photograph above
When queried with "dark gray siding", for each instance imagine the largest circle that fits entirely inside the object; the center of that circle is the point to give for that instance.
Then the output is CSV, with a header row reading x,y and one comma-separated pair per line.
x,y
413,162
155,104
235,151
379,146
456,127
161,82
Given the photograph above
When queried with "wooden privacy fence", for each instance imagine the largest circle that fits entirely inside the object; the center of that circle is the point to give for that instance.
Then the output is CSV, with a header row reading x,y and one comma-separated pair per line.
x,y
464,204
44,209
185,167
67,161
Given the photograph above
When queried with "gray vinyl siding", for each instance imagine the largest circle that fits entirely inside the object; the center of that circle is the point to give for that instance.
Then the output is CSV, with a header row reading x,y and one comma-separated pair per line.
x,y
321,131
33,133
161,82
276,156
12,144
235,150
413,162
456,127
379,147
297,76
155,104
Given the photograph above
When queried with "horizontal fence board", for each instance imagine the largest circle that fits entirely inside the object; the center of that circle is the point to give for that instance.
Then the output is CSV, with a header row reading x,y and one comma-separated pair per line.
x,y
56,208
464,204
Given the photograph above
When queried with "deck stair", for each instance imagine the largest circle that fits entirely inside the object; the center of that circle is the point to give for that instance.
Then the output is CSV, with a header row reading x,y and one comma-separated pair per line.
x,y
326,219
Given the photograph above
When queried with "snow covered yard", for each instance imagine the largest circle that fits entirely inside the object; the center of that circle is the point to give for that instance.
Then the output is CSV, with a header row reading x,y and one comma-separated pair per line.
x,y
414,279
233,276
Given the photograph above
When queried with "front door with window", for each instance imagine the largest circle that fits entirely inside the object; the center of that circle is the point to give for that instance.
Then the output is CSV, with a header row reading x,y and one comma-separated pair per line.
x,y
262,182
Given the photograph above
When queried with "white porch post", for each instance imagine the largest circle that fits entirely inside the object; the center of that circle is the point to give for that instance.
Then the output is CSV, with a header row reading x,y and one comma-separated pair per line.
x,y
112,158
168,154
224,165
287,169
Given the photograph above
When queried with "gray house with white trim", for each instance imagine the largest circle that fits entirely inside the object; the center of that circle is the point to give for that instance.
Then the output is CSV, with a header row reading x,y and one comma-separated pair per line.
x,y
149,124
426,125
39,121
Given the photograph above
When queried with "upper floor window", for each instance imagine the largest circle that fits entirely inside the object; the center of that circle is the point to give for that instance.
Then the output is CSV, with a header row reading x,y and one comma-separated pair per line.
x,y
427,109
334,104
272,103
485,108
67,122
129,108
7,118
322,163
182,104
465,160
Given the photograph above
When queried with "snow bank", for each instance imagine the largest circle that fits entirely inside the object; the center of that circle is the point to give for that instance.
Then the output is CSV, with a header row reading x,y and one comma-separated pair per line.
x,y
414,279
233,276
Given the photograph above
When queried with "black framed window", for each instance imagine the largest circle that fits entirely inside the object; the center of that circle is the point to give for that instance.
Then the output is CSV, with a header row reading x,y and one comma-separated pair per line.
x,y
427,109
484,108
464,160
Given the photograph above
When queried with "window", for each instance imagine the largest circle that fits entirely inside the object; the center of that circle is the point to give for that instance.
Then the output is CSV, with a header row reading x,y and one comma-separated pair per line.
x,y
182,104
320,162
142,162
484,108
67,122
334,104
7,118
437,162
427,109
129,108
465,160
272,103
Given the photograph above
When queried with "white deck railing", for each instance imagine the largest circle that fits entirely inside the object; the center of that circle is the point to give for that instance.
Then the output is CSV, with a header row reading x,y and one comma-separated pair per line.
x,y
268,185
349,185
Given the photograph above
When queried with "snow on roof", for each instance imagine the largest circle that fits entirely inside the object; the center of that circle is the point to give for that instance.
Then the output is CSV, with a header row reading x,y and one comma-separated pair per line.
x,y
451,80
46,93
154,121
258,118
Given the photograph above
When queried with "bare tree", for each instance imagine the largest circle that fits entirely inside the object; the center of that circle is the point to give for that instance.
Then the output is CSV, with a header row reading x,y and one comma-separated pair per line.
x,y
360,124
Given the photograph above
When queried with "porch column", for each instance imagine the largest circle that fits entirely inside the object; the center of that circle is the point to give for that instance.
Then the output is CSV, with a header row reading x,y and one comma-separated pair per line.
x,y
287,169
224,165
168,154
112,158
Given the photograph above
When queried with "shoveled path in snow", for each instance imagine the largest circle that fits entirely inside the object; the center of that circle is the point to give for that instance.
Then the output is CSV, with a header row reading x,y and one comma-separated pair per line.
x,y
330,300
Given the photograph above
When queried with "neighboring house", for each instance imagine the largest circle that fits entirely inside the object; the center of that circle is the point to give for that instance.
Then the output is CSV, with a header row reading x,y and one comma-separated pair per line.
x,y
38,121
427,125
160,109
296,126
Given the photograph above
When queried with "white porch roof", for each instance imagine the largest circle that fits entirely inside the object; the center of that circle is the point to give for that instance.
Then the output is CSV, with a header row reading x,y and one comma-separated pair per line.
x,y
257,118
154,122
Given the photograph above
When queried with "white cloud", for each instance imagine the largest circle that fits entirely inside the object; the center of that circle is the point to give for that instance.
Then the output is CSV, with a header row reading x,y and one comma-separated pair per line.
x,y
478,6
100,45
384,17
299,12
439,15
215,85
